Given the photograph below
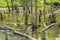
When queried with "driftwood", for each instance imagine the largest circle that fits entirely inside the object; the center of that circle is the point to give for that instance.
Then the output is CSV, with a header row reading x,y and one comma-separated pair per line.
x,y
17,33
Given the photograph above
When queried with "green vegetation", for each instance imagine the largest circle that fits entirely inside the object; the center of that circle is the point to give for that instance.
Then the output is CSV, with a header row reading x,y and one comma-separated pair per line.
x,y
11,18
3,3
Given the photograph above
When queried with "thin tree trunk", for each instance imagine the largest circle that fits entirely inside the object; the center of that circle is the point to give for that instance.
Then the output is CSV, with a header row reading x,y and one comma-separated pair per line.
x,y
6,35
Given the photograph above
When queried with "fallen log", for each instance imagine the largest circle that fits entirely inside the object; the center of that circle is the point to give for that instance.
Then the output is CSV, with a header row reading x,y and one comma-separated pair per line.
x,y
17,33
